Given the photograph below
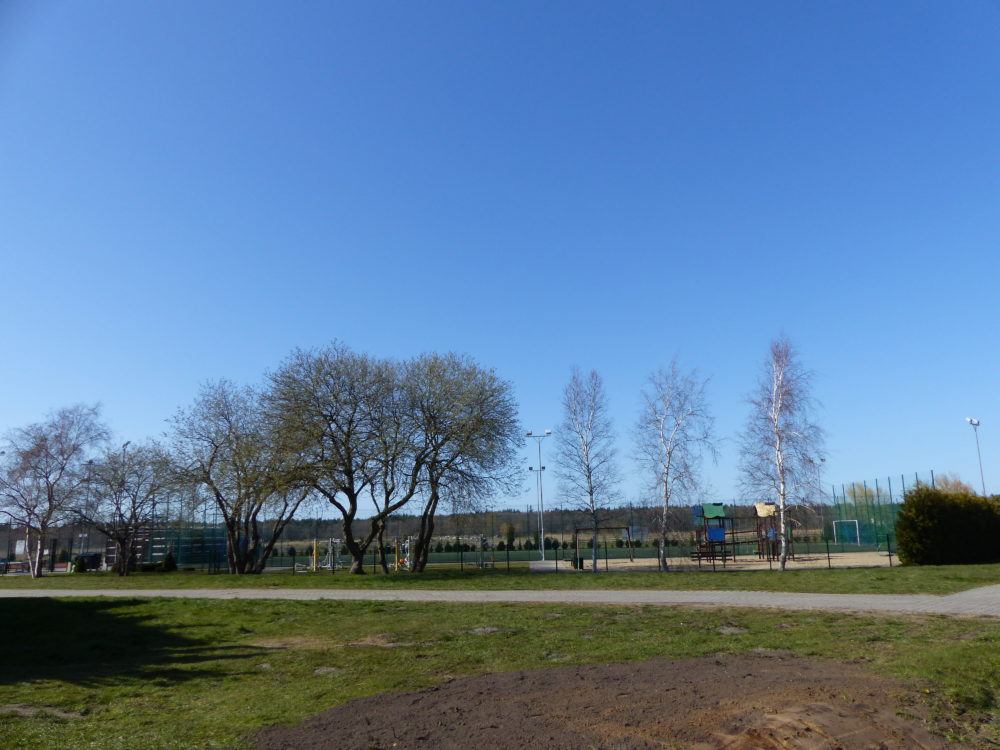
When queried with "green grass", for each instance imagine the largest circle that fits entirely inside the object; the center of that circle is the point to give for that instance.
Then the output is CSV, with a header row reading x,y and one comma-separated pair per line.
x,y
896,580
204,673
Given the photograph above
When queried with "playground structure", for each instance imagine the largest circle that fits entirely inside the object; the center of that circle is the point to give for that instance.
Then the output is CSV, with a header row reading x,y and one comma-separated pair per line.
x,y
721,537
769,532
588,533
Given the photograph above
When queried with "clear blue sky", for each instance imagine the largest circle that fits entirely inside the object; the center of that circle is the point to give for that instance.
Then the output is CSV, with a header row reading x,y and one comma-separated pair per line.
x,y
188,190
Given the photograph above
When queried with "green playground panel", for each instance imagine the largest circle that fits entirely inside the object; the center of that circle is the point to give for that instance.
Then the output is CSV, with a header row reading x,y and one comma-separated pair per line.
x,y
713,510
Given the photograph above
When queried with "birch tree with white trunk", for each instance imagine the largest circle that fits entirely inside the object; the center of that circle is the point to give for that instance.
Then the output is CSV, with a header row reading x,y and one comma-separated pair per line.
x,y
585,450
673,434
44,473
782,446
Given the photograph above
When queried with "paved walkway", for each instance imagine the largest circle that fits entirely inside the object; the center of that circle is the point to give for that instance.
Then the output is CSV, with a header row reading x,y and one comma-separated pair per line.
x,y
981,601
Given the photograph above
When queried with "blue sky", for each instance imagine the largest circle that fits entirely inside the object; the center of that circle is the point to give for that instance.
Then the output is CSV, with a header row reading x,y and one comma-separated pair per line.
x,y
188,190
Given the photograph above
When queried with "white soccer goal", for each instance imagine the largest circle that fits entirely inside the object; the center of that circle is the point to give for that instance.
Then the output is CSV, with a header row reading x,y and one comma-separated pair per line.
x,y
857,531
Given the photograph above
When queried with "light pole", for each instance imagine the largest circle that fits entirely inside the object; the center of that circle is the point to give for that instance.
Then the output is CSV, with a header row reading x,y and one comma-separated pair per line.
x,y
10,530
541,506
975,429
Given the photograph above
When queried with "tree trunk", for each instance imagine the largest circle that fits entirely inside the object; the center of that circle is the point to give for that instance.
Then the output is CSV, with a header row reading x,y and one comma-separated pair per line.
x,y
593,551
380,541
35,560
662,551
783,523
420,549
123,552
232,546
356,551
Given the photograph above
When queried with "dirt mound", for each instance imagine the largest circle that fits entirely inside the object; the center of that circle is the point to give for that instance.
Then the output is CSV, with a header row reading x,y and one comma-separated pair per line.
x,y
769,700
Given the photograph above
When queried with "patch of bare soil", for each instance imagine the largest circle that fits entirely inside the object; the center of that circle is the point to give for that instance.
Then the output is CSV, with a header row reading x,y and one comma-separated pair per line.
x,y
726,703
19,709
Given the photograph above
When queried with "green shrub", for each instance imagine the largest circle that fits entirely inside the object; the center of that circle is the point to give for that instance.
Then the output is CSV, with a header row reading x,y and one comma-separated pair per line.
x,y
80,565
936,527
168,564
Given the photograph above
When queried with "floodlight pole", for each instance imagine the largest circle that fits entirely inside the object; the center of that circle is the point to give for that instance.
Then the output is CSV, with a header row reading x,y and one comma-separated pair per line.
x,y
541,505
975,429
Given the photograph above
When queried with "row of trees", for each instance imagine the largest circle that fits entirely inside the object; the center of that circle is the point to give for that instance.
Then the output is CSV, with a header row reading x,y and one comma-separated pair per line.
x,y
780,448
345,428
329,425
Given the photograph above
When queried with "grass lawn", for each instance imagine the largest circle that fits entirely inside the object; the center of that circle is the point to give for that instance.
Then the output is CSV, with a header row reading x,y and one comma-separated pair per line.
x,y
896,580
173,673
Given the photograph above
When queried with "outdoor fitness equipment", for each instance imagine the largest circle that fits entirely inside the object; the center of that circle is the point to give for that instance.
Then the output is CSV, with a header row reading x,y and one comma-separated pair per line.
x,y
402,547
331,560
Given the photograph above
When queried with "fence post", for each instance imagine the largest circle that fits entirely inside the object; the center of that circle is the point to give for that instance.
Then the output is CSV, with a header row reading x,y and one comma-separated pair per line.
x,y
888,546
461,557
508,558
606,569
829,563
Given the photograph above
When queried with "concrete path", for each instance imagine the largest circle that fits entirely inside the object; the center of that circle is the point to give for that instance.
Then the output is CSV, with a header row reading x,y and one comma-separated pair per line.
x,y
981,601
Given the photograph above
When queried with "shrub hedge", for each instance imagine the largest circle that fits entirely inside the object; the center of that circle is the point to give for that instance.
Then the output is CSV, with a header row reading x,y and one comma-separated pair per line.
x,y
936,527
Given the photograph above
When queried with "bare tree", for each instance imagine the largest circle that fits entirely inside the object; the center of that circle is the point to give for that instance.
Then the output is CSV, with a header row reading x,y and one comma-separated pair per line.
x,y
673,434
952,482
124,487
437,427
227,444
330,404
44,472
467,432
782,446
398,454
585,449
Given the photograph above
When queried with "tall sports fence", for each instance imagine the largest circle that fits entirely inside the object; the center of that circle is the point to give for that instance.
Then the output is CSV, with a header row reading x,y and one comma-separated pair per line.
x,y
856,516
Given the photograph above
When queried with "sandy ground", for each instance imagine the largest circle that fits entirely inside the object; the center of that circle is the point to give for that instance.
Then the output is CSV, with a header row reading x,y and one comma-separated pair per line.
x,y
800,562
769,700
